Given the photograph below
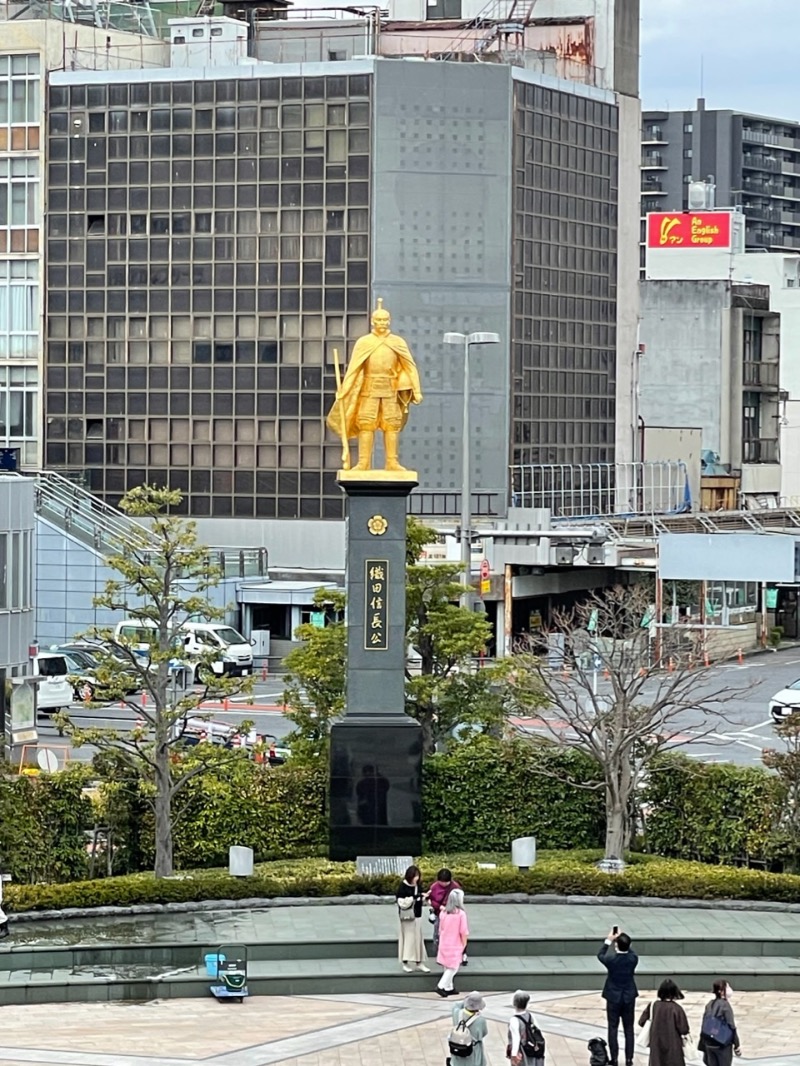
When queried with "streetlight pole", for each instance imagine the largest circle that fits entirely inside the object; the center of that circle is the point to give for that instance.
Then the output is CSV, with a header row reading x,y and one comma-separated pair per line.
x,y
467,340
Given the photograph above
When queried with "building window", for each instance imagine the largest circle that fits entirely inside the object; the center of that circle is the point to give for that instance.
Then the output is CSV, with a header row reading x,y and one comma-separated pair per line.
x,y
19,205
19,102
19,308
18,403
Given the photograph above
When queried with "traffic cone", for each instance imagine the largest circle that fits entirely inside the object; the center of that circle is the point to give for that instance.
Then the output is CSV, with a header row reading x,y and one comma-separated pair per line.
x,y
741,657
264,672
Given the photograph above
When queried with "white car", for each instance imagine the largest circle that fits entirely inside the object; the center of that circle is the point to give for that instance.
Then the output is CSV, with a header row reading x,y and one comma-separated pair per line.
x,y
55,688
784,703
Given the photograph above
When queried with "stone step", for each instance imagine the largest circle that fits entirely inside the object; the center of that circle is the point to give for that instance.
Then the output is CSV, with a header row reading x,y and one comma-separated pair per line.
x,y
173,954
489,973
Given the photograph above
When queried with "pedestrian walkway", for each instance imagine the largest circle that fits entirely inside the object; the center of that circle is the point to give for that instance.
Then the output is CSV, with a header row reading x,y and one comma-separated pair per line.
x,y
343,1030
330,921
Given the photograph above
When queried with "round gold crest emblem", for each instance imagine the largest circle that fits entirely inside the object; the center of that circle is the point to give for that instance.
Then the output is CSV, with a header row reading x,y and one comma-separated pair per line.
x,y
377,525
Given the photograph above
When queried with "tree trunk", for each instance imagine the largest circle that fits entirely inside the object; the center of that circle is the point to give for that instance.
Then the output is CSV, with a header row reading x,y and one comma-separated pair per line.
x,y
615,827
163,814
426,725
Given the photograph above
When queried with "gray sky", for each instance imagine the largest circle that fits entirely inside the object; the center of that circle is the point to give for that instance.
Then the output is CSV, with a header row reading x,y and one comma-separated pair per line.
x,y
749,50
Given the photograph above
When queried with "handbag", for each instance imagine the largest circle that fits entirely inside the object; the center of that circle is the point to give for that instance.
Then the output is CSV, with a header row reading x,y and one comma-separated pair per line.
x,y
405,906
643,1036
717,1029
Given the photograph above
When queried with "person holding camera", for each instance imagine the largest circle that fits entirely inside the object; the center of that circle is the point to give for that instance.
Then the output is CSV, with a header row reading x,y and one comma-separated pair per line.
x,y
619,991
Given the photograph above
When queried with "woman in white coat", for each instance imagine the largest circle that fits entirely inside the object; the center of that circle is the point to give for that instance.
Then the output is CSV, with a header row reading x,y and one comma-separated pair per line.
x,y
3,917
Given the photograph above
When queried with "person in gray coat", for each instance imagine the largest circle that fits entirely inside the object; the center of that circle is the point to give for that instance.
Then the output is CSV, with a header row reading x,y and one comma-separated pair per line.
x,y
719,1040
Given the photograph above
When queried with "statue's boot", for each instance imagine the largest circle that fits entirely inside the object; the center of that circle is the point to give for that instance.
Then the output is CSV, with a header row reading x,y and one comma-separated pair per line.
x,y
390,443
364,450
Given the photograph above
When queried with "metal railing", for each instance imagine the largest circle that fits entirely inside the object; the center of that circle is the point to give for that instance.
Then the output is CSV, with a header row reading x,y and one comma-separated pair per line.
x,y
760,450
602,490
757,374
447,504
73,509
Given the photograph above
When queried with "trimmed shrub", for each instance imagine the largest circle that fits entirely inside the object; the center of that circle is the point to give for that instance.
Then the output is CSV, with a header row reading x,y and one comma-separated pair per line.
x,y
485,793
42,823
714,812
274,810
572,873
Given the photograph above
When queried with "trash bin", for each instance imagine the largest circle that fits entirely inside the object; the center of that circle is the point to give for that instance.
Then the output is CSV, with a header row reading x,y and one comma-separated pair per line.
x,y
523,852
240,861
213,962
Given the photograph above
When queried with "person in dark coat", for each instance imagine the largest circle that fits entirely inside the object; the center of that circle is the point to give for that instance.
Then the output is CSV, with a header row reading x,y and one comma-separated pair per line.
x,y
668,1026
619,992
719,1052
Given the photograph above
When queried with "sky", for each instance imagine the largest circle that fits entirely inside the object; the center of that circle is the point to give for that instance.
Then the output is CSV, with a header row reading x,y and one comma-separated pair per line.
x,y
748,48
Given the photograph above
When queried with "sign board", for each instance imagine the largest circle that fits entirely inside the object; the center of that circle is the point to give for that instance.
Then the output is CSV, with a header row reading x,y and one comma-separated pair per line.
x,y
23,714
771,599
318,619
689,229
486,570
727,557
382,865
486,586
376,611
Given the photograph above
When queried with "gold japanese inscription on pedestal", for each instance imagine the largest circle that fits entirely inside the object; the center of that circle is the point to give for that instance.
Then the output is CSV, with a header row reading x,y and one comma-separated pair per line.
x,y
376,611
380,384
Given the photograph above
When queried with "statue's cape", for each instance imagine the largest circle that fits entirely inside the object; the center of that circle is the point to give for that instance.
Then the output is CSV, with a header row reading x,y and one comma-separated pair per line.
x,y
407,382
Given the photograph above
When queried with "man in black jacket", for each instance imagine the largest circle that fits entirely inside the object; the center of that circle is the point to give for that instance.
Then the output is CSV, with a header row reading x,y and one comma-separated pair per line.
x,y
619,992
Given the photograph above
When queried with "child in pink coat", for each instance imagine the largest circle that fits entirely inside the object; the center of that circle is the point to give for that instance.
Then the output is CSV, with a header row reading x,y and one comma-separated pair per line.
x,y
453,936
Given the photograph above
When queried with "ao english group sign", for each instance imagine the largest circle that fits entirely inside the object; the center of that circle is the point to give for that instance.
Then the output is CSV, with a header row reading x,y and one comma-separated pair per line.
x,y
689,229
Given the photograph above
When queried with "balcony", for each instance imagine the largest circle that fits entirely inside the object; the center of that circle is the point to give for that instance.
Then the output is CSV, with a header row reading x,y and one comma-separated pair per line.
x,y
653,161
760,450
760,375
653,135
774,140
756,161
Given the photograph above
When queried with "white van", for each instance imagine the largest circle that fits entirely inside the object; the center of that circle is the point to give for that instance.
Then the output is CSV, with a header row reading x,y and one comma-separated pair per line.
x,y
55,688
234,654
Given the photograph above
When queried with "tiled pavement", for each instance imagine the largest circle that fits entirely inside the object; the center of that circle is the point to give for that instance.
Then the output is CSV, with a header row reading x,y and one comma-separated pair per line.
x,y
357,1030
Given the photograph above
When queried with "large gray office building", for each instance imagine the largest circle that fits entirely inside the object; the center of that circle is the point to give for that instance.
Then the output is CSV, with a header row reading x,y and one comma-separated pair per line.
x,y
213,234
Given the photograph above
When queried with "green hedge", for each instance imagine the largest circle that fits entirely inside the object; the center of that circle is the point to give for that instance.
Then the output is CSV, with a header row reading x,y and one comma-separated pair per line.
x,y
274,810
486,793
713,812
42,823
561,874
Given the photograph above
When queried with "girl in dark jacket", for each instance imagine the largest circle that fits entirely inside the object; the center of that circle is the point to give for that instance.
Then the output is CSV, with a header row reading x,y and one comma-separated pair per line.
x,y
668,1026
718,1037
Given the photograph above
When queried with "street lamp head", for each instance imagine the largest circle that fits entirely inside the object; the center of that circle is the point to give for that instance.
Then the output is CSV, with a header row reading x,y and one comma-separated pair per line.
x,y
454,338
483,338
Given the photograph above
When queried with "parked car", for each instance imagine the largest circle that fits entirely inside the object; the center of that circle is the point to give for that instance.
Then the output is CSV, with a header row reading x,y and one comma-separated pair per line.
x,y
83,662
784,703
232,652
55,691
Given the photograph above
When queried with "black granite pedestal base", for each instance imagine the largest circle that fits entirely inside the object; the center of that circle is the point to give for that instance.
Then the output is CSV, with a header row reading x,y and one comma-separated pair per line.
x,y
376,769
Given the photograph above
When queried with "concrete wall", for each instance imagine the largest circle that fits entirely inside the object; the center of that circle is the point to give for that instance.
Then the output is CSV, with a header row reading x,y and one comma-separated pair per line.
x,y
628,311
677,444
684,372
442,164
16,516
291,543
780,272
69,575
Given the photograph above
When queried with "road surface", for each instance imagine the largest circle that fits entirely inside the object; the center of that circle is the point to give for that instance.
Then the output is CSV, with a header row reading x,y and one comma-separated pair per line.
x,y
739,737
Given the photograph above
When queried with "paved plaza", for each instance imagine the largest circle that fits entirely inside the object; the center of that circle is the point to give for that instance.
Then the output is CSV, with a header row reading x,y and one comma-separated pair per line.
x,y
358,1030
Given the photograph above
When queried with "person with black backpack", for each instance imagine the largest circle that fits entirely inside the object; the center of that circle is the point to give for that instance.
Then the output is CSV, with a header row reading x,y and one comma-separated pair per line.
x,y
525,1041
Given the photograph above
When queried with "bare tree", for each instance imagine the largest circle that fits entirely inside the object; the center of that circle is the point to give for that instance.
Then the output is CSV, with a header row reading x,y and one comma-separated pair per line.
x,y
612,699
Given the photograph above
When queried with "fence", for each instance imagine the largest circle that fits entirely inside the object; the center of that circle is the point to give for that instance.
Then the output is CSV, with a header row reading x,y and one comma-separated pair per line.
x,y
602,490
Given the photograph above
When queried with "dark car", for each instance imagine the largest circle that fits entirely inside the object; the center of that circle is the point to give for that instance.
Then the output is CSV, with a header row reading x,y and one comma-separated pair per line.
x,y
83,662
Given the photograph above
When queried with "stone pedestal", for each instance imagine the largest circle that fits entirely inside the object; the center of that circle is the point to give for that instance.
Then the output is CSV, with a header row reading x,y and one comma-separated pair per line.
x,y
376,750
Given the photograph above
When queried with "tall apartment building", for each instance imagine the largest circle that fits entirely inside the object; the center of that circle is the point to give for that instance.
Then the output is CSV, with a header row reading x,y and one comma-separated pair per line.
x,y
753,161
219,222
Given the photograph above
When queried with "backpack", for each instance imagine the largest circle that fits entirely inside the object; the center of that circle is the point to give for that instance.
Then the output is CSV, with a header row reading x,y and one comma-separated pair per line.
x,y
598,1052
460,1040
531,1040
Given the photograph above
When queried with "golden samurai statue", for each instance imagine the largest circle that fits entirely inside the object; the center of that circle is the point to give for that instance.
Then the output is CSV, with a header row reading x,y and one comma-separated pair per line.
x,y
381,382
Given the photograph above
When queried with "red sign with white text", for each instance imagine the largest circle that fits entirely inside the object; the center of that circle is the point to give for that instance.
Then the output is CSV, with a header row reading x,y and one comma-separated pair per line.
x,y
689,229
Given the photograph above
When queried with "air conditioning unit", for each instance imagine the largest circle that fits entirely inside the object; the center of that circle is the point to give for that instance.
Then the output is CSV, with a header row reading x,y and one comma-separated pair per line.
x,y
565,554
596,555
